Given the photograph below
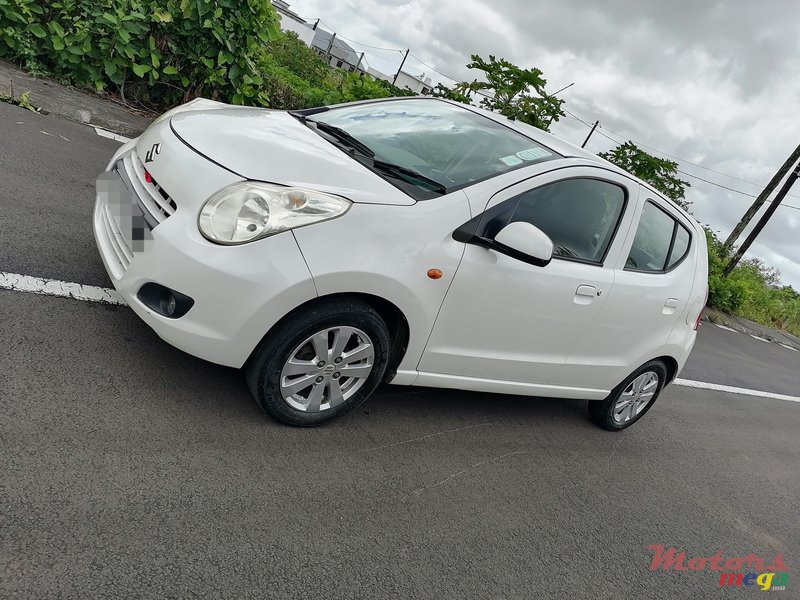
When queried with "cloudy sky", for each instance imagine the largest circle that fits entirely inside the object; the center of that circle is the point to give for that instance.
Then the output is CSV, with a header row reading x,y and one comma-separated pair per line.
x,y
715,83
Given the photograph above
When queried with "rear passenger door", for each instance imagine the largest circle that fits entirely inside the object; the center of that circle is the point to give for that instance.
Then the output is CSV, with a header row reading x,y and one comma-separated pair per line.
x,y
653,281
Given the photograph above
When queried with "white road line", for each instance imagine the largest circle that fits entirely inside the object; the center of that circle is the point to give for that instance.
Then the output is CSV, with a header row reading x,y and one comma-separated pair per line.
x,y
760,339
111,135
790,348
734,390
54,287
725,328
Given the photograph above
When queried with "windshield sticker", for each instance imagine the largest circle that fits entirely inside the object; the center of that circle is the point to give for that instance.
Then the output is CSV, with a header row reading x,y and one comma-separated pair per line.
x,y
511,160
533,154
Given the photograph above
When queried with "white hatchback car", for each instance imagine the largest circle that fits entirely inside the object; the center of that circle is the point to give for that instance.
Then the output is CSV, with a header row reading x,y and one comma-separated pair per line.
x,y
411,240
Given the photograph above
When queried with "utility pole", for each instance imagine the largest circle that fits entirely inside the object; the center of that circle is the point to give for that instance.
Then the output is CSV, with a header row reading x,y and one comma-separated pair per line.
x,y
596,123
762,198
360,58
396,75
330,45
314,28
764,219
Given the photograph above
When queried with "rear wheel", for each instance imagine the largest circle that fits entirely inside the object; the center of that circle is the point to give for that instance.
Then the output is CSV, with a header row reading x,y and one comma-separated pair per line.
x,y
320,363
631,399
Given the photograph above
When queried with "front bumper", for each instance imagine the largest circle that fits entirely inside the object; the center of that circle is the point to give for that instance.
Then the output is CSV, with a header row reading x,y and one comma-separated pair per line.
x,y
239,292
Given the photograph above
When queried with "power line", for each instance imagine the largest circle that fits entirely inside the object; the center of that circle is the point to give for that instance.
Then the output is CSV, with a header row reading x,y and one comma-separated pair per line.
x,y
688,162
368,46
725,187
415,57
678,158
339,35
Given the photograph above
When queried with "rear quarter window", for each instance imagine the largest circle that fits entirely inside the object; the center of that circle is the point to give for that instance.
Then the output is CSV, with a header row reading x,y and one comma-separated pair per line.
x,y
660,243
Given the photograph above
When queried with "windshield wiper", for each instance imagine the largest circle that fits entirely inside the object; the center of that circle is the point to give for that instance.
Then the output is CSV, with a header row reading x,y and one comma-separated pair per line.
x,y
344,137
406,173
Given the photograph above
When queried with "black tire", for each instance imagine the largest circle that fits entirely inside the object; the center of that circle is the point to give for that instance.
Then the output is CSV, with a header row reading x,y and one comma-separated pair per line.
x,y
602,412
263,370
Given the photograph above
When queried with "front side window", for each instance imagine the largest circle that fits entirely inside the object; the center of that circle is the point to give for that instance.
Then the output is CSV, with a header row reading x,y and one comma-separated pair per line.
x,y
580,216
660,242
446,146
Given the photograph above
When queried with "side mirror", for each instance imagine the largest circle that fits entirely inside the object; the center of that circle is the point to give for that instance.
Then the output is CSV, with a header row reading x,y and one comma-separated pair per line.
x,y
525,242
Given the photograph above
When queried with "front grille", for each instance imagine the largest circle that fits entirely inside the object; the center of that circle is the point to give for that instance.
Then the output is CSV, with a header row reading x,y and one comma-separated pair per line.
x,y
153,199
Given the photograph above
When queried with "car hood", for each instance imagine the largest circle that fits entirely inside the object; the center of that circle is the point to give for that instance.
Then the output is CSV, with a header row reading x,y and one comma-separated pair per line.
x,y
273,146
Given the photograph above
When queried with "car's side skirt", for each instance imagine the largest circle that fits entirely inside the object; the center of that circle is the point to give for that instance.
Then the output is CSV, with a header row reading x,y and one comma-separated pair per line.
x,y
478,384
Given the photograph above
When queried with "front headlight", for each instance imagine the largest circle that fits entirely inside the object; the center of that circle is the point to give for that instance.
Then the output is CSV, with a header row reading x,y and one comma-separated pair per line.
x,y
251,210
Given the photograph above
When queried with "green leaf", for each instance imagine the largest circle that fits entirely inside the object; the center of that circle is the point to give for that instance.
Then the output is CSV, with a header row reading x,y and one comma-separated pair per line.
x,y
37,30
56,28
140,70
110,67
170,70
109,18
58,45
154,60
162,16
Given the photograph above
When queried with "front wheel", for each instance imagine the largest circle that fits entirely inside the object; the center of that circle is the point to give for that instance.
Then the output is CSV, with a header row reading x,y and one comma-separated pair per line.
x,y
320,363
631,399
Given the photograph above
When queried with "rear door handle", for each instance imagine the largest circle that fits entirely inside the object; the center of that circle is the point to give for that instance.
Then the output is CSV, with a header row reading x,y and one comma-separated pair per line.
x,y
670,305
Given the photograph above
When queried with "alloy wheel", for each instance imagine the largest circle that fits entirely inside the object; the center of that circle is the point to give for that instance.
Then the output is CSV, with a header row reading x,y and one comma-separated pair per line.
x,y
635,397
327,368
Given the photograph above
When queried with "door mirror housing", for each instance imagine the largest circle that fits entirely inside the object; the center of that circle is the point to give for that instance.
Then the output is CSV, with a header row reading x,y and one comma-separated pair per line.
x,y
525,242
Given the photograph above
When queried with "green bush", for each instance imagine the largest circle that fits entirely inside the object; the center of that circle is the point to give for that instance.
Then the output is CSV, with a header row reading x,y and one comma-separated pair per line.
x,y
165,52
751,290
177,49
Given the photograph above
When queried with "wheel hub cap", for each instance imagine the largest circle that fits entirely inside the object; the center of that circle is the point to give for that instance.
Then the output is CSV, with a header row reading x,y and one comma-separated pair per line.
x,y
327,368
634,398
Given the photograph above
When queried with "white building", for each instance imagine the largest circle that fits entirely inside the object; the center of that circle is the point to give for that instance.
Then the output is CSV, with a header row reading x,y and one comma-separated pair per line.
x,y
419,85
291,21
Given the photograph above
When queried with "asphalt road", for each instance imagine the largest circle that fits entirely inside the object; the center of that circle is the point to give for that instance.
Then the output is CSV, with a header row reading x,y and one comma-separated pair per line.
x,y
134,470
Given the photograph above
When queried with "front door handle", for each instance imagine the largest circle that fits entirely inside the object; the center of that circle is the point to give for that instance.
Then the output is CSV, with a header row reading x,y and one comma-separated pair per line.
x,y
585,294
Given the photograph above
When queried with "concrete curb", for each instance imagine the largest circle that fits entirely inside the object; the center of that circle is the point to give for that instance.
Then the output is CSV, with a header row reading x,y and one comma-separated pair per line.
x,y
71,103
750,328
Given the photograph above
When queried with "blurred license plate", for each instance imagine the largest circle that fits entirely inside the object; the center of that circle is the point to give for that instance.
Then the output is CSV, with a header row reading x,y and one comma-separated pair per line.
x,y
126,216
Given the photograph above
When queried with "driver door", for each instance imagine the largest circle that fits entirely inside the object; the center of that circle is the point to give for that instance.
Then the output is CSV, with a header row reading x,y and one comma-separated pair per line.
x,y
510,322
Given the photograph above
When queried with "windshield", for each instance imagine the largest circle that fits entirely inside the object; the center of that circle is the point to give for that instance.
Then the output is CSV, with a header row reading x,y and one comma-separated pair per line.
x,y
440,142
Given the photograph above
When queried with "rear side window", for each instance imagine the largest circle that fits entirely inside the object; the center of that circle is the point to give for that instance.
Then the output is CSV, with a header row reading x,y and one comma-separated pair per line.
x,y
579,215
680,247
660,242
